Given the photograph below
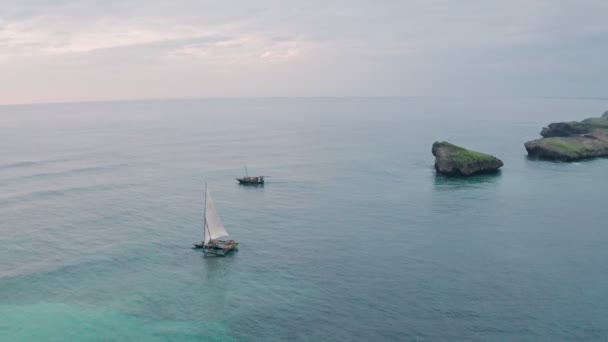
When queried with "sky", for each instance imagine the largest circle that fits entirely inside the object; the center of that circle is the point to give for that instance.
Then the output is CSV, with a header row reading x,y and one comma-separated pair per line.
x,y
89,50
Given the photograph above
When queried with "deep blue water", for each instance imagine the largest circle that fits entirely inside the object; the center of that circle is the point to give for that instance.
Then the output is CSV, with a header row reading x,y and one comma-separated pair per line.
x,y
353,238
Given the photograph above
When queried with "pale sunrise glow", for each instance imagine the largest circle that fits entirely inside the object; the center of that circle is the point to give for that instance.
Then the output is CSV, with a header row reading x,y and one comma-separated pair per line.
x,y
132,49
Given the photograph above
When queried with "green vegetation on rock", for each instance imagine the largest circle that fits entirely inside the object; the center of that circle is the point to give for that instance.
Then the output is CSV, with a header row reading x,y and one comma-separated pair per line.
x,y
596,123
568,146
463,155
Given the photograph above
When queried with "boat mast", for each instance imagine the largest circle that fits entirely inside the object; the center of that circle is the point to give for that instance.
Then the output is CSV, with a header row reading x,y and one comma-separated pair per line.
x,y
205,217
246,173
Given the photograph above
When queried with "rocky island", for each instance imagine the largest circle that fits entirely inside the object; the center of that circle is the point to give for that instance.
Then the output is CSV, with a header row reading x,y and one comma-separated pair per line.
x,y
455,160
570,141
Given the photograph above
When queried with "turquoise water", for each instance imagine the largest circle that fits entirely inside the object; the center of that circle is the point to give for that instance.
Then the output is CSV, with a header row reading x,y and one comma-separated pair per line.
x,y
353,238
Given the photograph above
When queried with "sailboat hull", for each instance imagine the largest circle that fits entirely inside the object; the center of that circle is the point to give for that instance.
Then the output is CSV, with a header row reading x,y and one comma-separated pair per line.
x,y
217,250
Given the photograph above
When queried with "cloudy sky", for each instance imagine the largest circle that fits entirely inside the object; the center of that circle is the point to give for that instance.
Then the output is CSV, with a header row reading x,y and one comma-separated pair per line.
x,y
66,50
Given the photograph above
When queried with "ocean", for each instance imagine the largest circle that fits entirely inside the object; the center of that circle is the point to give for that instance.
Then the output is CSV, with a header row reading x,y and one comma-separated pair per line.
x,y
353,237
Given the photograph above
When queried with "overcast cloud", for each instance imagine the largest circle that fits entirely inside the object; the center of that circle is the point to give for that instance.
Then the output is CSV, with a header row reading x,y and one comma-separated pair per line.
x,y
109,49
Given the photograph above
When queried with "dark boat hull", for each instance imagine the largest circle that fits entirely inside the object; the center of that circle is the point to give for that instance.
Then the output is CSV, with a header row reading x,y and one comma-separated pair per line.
x,y
215,250
254,181
250,183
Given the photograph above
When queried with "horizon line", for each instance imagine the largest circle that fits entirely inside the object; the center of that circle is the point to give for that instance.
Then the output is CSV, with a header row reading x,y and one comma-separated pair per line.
x,y
143,99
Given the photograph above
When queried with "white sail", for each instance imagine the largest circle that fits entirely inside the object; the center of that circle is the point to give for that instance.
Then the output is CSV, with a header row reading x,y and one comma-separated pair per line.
x,y
215,228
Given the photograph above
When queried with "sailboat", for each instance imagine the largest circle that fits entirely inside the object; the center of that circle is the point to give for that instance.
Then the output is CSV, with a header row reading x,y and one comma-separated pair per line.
x,y
213,230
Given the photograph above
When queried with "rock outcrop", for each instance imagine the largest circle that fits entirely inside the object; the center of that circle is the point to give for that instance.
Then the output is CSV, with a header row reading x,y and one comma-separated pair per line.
x,y
455,160
564,129
569,141
570,148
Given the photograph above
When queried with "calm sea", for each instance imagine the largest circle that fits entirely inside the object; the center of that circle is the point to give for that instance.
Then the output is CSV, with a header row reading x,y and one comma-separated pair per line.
x,y
353,238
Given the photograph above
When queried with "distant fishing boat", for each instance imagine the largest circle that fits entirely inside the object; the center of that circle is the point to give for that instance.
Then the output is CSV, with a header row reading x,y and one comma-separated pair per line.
x,y
213,230
253,180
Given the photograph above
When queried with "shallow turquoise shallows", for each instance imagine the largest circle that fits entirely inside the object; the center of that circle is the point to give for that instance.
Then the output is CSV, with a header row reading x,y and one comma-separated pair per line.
x,y
353,238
